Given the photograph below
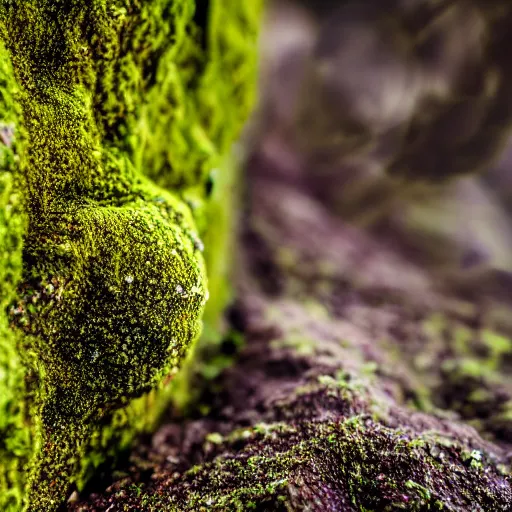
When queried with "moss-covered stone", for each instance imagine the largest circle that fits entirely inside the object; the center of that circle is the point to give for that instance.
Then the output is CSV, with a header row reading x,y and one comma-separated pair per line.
x,y
103,274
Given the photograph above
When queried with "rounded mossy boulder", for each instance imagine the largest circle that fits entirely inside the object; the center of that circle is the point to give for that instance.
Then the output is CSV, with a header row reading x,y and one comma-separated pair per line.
x,y
111,299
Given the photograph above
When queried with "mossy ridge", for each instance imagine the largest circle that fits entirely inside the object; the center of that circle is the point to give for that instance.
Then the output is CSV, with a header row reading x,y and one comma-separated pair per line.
x,y
331,440
110,92
107,256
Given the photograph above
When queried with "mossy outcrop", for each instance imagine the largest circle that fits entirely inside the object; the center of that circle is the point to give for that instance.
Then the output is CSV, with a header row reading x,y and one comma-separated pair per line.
x,y
111,131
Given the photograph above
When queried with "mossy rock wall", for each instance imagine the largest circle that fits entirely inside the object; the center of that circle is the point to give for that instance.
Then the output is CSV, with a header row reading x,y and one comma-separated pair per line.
x,y
116,121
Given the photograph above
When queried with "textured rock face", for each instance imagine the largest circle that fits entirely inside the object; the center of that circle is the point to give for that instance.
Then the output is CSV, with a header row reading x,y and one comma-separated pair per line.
x,y
104,277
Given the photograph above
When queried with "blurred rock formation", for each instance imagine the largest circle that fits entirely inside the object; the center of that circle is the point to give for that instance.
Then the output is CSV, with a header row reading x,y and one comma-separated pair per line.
x,y
395,113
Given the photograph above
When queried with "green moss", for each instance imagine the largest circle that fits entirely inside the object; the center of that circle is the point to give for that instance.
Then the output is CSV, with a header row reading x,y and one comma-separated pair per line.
x,y
15,440
112,103
466,369
216,105
498,347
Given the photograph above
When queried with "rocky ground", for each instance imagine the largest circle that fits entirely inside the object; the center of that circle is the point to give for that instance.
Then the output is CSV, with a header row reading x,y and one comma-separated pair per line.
x,y
354,379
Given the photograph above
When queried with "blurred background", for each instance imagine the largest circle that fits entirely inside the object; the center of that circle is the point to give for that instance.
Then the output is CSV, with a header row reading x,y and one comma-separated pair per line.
x,y
394,115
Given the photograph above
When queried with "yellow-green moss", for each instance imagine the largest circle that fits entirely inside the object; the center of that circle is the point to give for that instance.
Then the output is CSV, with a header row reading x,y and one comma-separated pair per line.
x,y
122,111
15,440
